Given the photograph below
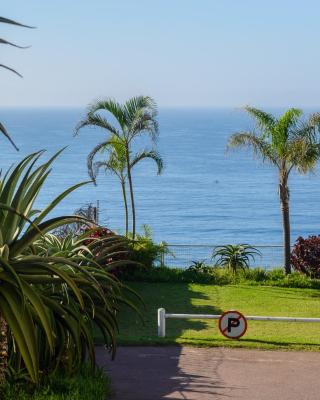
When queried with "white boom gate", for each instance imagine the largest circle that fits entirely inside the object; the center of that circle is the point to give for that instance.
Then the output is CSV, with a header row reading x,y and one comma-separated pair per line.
x,y
162,316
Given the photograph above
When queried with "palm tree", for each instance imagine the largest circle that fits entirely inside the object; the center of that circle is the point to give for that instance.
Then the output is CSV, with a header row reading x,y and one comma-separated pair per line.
x,y
135,117
289,144
3,130
117,165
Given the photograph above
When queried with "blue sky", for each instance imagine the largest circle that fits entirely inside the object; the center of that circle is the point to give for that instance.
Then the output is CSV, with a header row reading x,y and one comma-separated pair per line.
x,y
184,53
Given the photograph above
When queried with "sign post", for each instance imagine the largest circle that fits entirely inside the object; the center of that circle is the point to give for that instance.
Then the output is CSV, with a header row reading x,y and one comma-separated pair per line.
x,y
233,324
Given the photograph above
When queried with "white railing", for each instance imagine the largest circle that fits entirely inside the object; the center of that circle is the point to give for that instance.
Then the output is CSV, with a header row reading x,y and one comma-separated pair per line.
x,y
162,316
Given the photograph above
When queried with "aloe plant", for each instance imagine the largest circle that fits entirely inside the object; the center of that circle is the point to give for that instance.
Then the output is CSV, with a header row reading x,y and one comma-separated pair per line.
x,y
235,257
49,300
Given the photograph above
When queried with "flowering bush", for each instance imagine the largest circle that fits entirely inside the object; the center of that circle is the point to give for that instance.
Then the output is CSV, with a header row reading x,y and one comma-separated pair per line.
x,y
305,256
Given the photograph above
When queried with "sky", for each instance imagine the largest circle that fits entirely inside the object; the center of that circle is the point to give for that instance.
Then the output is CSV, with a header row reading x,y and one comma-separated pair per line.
x,y
183,53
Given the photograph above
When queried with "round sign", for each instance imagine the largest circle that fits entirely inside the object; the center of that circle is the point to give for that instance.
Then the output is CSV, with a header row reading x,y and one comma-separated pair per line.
x,y
232,324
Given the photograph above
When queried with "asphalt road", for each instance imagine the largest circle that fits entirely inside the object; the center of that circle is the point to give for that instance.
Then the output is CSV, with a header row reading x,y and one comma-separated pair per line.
x,y
183,373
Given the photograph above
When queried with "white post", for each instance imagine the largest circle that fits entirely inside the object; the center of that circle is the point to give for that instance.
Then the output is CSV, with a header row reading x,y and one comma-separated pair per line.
x,y
161,322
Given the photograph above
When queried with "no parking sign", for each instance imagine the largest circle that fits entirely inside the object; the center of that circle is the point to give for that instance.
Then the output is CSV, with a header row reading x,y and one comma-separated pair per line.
x,y
232,324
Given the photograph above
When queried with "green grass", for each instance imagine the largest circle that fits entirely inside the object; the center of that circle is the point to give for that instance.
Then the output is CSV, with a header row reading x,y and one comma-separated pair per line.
x,y
85,385
210,299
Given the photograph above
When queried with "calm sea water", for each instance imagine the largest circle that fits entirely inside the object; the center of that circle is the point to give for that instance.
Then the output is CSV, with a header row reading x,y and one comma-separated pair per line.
x,y
204,195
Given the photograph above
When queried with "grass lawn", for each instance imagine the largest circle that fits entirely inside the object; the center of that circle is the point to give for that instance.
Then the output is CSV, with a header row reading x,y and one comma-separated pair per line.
x,y
209,299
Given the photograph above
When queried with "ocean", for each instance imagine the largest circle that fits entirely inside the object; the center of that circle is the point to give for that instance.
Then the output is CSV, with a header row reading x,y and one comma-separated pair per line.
x,y
205,195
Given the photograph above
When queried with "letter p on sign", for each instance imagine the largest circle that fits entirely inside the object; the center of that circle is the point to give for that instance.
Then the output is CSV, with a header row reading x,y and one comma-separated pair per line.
x,y
232,324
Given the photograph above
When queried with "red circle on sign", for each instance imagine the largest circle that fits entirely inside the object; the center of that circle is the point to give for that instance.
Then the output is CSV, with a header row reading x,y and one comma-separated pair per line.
x,y
239,317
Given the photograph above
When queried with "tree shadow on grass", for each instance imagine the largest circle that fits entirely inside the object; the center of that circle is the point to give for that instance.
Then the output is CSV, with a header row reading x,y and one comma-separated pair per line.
x,y
178,299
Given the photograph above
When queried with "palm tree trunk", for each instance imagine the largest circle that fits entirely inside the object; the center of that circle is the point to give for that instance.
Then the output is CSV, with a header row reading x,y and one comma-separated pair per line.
x,y
131,194
124,194
3,349
284,200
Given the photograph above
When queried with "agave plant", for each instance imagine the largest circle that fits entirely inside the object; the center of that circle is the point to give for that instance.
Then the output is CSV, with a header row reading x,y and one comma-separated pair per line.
x,y
49,300
235,257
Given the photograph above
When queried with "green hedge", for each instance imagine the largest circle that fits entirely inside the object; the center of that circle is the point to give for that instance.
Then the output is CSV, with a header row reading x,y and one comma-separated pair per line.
x,y
220,276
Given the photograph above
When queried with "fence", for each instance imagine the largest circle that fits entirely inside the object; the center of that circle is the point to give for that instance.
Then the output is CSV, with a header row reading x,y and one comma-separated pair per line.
x,y
162,316
182,255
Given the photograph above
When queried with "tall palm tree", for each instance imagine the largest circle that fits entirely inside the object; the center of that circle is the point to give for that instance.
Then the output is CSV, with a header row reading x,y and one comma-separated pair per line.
x,y
3,129
289,144
135,117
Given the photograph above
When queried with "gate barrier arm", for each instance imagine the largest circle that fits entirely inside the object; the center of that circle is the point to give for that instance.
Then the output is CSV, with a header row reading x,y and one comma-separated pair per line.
x,y
162,316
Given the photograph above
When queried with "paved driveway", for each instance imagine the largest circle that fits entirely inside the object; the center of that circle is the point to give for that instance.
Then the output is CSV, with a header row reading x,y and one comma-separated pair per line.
x,y
154,373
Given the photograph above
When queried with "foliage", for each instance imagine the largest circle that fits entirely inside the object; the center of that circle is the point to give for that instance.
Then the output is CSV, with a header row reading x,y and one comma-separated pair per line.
x,y
135,117
235,257
50,295
305,256
145,250
199,267
288,143
3,129
221,276
86,384
99,233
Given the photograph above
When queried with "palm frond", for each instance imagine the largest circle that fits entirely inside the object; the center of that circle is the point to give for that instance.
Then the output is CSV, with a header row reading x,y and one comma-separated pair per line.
x,y
151,154
264,120
4,131
113,107
4,41
96,121
142,113
12,22
139,104
303,155
286,126
92,154
259,146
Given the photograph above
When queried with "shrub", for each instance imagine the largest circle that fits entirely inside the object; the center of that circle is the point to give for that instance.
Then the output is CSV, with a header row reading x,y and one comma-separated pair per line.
x,y
254,274
199,266
222,276
305,256
145,250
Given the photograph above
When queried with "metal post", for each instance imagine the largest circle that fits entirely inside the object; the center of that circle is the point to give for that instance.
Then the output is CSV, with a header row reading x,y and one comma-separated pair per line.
x,y
162,258
98,212
161,322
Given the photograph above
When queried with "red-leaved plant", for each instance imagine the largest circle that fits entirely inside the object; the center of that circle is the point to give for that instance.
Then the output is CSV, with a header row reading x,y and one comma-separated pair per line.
x,y
305,256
